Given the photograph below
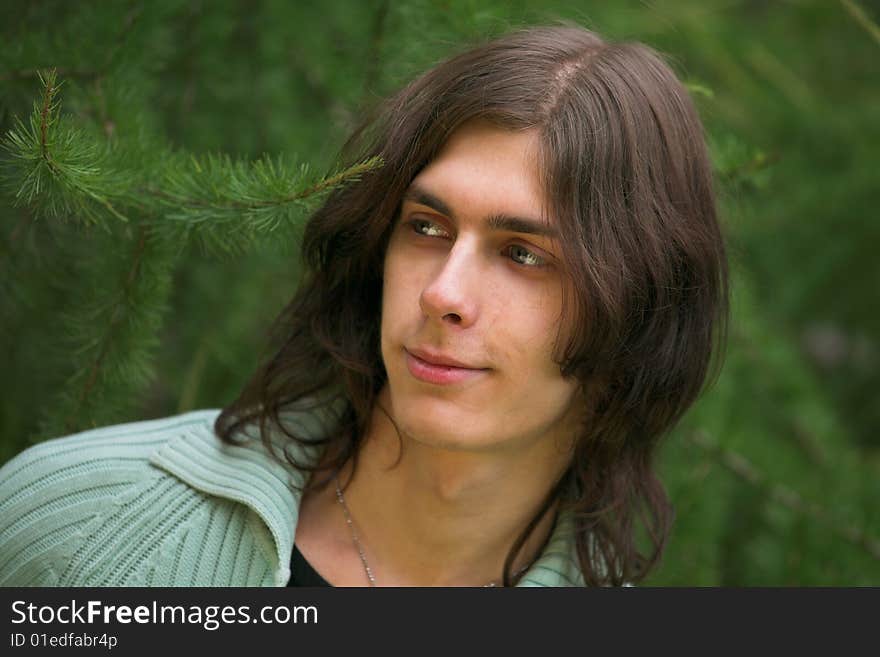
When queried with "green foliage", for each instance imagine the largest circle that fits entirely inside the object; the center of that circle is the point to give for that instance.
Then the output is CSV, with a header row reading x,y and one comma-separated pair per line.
x,y
138,204
60,170
111,326
768,489
229,205
159,159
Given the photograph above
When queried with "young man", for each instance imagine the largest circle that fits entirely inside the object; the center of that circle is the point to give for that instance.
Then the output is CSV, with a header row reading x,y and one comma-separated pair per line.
x,y
495,330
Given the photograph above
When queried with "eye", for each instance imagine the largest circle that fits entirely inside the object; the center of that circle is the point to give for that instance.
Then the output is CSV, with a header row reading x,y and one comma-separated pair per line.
x,y
523,256
427,228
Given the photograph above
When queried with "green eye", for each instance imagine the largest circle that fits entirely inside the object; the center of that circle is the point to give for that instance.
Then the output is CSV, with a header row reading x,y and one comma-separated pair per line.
x,y
525,257
427,228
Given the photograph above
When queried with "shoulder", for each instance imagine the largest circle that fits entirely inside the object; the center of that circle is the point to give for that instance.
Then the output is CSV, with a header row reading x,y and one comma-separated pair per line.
x,y
95,509
94,450
91,462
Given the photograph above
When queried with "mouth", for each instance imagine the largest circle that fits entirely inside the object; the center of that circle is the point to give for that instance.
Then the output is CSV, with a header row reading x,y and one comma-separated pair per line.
x,y
439,370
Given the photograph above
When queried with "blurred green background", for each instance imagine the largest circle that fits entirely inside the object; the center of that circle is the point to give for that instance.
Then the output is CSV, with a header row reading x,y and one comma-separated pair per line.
x,y
774,473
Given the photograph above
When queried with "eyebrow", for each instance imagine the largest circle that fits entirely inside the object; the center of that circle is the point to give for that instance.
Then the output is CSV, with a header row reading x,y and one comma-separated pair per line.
x,y
497,222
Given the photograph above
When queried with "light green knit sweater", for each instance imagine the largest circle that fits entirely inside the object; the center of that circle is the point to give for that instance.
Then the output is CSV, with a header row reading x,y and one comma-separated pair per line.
x,y
166,503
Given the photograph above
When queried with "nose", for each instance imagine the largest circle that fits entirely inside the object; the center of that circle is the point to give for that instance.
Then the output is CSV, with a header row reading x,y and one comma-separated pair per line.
x,y
450,295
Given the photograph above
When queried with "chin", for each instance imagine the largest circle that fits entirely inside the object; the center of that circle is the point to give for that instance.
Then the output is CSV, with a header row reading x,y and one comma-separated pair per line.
x,y
440,423
440,438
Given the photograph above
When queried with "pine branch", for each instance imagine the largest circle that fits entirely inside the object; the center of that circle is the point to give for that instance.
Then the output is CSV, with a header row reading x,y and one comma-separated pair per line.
x,y
61,171
700,89
222,201
228,206
116,303
48,114
343,177
861,17
747,472
116,317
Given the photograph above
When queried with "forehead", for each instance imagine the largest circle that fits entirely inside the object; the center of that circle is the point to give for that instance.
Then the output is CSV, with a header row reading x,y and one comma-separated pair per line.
x,y
483,170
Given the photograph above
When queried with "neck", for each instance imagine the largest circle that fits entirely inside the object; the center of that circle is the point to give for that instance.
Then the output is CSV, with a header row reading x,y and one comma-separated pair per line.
x,y
429,516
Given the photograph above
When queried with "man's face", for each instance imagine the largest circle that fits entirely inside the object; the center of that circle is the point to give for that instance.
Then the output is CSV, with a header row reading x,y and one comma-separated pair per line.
x,y
470,276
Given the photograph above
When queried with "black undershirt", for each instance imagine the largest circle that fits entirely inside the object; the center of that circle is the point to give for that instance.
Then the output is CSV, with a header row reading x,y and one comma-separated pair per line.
x,y
302,573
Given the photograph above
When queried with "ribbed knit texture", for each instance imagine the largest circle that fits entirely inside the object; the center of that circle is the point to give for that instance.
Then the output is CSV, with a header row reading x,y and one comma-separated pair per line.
x,y
166,503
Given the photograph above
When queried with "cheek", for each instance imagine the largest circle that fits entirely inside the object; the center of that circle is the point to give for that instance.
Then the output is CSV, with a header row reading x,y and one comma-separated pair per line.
x,y
524,327
527,351
400,292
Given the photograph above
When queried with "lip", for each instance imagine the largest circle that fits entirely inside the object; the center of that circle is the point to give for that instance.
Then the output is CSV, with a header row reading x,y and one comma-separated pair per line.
x,y
439,369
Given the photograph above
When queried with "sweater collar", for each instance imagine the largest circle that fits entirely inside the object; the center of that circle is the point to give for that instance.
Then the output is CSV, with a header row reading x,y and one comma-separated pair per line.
x,y
249,474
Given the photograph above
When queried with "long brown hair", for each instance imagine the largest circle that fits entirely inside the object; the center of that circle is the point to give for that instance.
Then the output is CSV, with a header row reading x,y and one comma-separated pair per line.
x,y
629,182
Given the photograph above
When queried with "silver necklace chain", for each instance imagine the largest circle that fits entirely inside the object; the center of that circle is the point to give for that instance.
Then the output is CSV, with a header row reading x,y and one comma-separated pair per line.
x,y
360,548
354,536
